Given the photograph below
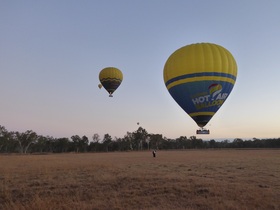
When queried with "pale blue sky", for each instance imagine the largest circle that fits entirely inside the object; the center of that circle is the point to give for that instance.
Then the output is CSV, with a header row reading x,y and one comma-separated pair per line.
x,y
51,53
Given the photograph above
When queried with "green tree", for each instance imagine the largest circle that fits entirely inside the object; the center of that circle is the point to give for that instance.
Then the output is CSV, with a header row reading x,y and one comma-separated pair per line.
x,y
140,137
50,144
3,137
155,141
84,143
238,143
107,141
128,139
181,142
212,143
80,144
94,145
40,144
61,145
25,140
196,143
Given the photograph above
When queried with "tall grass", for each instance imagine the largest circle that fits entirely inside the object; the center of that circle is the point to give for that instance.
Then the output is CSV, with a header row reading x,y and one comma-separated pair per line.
x,y
190,179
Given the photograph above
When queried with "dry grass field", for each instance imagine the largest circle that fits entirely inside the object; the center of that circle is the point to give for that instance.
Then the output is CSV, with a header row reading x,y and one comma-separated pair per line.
x,y
190,179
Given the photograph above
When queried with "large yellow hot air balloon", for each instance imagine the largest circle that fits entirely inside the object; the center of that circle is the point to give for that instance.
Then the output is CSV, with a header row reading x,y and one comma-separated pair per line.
x,y
110,79
200,77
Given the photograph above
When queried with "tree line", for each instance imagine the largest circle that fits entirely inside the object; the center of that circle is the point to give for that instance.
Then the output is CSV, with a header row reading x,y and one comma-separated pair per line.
x,y
30,142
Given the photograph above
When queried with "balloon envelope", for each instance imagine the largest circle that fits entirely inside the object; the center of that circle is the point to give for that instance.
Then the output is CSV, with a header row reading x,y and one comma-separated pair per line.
x,y
200,77
110,79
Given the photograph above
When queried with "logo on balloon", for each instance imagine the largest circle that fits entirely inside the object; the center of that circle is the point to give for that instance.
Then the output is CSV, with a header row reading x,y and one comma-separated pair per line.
x,y
214,97
214,90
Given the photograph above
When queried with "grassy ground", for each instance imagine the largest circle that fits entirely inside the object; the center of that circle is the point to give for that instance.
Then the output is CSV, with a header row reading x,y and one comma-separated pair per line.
x,y
190,179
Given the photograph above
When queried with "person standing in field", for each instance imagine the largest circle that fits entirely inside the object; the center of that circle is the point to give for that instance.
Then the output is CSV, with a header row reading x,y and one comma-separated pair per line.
x,y
154,153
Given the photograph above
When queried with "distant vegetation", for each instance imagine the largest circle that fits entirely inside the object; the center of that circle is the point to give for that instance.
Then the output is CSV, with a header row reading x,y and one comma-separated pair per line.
x,y
30,142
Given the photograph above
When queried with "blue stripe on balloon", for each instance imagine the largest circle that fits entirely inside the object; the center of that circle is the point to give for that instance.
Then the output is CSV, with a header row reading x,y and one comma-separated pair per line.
x,y
184,94
185,76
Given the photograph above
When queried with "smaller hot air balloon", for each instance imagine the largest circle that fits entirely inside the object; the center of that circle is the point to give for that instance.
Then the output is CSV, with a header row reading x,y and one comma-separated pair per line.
x,y
110,78
100,86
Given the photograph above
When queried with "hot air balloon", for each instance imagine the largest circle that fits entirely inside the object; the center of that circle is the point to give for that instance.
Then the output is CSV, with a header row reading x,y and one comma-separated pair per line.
x,y
110,79
200,78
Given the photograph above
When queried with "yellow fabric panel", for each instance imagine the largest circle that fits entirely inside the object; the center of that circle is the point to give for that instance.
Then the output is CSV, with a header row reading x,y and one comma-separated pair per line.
x,y
200,57
201,113
110,72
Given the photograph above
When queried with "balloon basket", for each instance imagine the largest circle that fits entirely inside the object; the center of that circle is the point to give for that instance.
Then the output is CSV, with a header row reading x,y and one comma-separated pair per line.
x,y
202,131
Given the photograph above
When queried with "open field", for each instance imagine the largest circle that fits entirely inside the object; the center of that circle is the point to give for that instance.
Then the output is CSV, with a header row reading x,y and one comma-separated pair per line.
x,y
190,179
